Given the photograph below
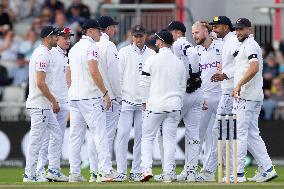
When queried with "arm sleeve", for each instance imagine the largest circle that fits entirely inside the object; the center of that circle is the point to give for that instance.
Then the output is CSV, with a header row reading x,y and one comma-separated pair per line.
x,y
121,67
113,70
193,59
93,53
42,62
145,81
251,53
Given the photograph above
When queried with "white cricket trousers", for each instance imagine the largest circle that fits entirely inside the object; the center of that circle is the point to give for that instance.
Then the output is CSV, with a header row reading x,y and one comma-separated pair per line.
x,y
151,124
50,147
82,113
248,134
206,123
41,121
191,115
225,107
129,114
112,116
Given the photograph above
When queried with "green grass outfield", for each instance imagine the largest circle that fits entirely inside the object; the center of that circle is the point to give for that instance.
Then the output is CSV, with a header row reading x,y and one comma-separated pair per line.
x,y
12,178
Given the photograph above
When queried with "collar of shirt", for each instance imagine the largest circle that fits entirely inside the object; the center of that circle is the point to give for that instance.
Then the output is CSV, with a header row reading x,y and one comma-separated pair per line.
x,y
181,39
89,38
104,35
138,50
62,51
45,47
212,46
164,49
228,36
248,38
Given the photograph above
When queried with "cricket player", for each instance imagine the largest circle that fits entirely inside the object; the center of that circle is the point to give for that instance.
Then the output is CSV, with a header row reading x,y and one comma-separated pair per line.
x,y
108,66
60,90
41,102
209,52
131,62
89,101
248,95
162,86
192,101
224,30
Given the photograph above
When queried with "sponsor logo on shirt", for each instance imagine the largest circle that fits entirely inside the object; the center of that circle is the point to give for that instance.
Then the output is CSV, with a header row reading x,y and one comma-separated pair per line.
x,y
215,64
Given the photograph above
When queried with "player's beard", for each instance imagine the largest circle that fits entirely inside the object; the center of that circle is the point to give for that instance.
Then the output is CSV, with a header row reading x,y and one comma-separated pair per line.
x,y
201,41
241,39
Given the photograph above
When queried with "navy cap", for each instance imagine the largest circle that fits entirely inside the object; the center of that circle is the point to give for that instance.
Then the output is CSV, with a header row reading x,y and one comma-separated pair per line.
x,y
165,36
106,21
48,31
65,31
91,23
176,25
242,23
138,30
222,20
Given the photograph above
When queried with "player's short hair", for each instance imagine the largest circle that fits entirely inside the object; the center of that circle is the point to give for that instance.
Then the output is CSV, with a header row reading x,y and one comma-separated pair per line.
x,y
203,24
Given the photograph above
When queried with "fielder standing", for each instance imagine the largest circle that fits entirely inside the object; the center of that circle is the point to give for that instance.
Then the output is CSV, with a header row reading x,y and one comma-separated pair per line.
x,y
162,87
192,101
209,52
131,62
89,100
108,66
248,95
41,103
223,28
60,90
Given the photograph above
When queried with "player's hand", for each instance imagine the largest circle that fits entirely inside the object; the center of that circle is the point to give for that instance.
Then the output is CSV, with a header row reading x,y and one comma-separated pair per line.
x,y
218,77
205,105
55,107
236,92
107,102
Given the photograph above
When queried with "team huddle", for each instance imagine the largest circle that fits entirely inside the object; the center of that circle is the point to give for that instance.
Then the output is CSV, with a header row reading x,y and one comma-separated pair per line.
x,y
108,92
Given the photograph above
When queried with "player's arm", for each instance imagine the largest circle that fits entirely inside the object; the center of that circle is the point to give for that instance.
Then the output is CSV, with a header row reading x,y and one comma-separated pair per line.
x,y
96,75
41,66
68,76
113,71
121,67
145,82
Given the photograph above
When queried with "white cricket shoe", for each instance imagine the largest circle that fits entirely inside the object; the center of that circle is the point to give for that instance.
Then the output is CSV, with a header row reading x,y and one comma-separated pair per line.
x,y
76,178
169,177
135,177
257,173
159,178
205,176
267,175
29,179
56,176
191,176
93,176
182,176
147,175
106,177
120,177
41,178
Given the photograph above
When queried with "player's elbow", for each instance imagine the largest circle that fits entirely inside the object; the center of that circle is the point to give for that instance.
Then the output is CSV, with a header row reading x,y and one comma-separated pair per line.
x,y
40,84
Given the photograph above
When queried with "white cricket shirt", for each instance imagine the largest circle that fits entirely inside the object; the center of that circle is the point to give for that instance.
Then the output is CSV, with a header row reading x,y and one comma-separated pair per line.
x,y
131,62
249,51
229,52
82,84
59,86
162,82
108,66
210,61
40,61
